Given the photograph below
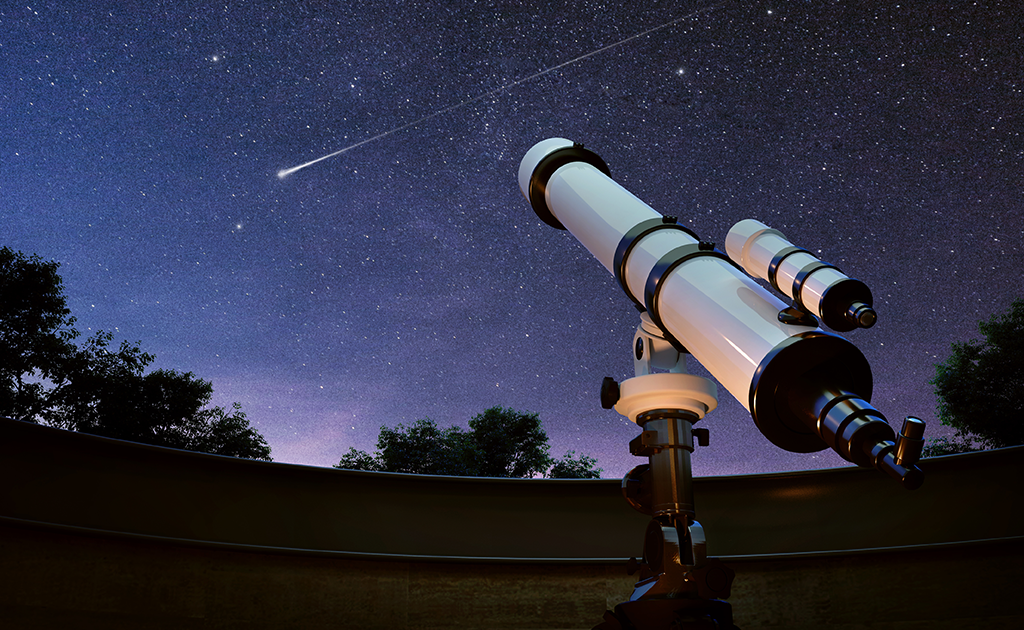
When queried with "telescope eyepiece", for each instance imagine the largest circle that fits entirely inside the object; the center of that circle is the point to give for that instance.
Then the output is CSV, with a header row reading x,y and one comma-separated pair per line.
x,y
909,442
861,315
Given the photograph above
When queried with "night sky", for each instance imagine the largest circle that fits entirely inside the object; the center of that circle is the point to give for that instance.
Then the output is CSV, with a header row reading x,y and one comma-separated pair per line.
x,y
407,277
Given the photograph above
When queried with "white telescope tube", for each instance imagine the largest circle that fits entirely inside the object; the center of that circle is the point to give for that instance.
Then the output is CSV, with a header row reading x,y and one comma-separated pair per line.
x,y
721,316
806,389
842,303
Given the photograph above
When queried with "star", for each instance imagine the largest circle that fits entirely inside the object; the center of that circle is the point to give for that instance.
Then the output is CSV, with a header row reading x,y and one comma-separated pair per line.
x,y
407,231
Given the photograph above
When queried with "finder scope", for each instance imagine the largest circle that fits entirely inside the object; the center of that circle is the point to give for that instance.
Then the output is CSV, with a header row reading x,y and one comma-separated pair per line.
x,y
842,303
805,388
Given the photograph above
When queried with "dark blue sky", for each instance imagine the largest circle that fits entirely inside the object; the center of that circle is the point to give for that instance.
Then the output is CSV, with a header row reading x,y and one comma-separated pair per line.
x,y
407,278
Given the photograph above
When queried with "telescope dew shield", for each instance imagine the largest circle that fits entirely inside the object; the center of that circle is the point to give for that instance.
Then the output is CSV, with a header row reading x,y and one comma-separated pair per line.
x,y
786,375
842,303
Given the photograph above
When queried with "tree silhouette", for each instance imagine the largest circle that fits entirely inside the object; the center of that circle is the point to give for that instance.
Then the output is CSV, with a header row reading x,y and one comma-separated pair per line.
x,y
45,377
981,386
500,443
570,467
35,331
508,443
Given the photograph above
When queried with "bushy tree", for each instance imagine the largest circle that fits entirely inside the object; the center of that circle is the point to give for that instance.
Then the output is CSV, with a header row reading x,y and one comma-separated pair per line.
x,y
980,386
230,434
45,377
500,443
422,449
945,446
572,468
508,443
35,331
355,459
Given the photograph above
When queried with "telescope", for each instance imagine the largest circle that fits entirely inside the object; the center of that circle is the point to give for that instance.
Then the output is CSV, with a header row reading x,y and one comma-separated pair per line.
x,y
806,389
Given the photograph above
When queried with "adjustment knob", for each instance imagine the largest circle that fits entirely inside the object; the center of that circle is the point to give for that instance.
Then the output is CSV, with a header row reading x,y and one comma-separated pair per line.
x,y
609,392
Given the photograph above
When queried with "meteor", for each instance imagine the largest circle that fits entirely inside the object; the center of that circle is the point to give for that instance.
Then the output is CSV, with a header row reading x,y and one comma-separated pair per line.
x,y
288,171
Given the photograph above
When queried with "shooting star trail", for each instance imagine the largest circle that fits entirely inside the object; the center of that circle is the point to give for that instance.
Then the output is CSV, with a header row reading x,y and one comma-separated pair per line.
x,y
288,171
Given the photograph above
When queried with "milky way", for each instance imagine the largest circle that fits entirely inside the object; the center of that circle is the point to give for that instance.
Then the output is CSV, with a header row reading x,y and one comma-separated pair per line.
x,y
410,279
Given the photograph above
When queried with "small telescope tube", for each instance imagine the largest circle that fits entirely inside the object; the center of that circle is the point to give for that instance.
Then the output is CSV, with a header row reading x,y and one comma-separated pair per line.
x,y
842,303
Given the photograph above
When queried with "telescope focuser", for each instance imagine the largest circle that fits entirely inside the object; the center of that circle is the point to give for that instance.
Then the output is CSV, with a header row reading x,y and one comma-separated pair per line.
x,y
861,435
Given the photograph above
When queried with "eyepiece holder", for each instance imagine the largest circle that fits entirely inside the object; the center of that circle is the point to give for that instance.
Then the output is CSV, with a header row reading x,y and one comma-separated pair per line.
x,y
861,435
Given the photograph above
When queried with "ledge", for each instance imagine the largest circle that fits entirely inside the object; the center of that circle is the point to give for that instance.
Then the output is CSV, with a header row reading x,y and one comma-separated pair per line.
x,y
98,486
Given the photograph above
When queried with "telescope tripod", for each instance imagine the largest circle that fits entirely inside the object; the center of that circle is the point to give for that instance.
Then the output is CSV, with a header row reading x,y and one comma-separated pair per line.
x,y
679,587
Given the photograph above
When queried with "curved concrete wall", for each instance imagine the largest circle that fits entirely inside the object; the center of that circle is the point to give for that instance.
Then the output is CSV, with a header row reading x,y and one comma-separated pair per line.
x,y
93,531
77,480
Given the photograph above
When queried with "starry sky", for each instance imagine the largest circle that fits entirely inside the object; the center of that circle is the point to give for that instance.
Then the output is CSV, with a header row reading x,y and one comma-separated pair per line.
x,y
407,277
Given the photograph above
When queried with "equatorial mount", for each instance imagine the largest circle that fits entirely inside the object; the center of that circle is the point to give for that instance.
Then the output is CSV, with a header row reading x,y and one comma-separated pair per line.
x,y
678,585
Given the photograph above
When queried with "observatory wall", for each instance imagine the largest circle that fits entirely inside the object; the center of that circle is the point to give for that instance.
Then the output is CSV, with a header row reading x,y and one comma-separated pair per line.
x,y
97,533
